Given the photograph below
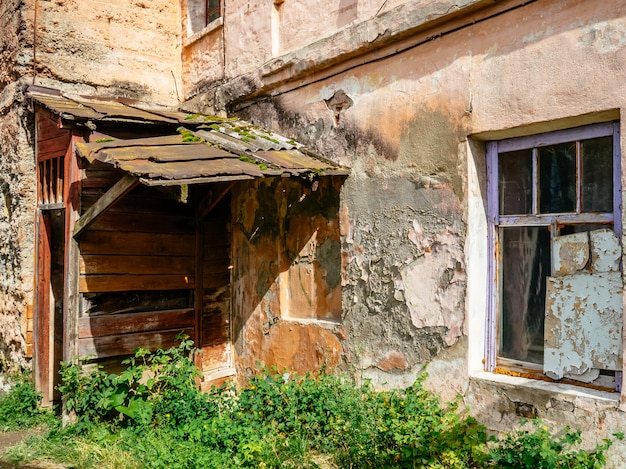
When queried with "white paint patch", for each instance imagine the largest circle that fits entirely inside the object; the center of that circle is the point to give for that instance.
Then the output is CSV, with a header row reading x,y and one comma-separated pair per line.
x,y
434,287
570,253
606,251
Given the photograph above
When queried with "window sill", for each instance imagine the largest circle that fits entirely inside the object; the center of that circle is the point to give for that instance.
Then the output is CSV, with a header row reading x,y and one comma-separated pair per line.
x,y
536,386
209,28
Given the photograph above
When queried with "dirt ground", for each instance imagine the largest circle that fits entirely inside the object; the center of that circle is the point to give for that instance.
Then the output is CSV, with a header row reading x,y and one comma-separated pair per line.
x,y
8,439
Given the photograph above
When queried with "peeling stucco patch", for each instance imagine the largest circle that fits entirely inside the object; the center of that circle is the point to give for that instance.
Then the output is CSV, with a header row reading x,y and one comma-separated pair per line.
x,y
433,286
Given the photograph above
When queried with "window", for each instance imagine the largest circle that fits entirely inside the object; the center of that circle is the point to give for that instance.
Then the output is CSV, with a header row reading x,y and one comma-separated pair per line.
x,y
201,13
212,8
555,284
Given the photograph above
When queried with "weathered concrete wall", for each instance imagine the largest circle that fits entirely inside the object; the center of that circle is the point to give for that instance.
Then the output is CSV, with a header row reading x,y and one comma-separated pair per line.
x,y
16,197
125,48
202,55
286,275
411,127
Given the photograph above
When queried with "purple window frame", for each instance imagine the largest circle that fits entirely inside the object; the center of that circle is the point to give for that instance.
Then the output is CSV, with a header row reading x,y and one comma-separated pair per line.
x,y
495,220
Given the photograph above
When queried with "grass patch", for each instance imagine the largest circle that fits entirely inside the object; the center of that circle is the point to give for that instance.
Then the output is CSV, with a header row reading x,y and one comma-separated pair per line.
x,y
152,416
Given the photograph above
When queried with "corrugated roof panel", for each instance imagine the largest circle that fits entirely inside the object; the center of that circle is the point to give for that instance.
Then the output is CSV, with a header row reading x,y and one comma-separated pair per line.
x,y
227,149
294,159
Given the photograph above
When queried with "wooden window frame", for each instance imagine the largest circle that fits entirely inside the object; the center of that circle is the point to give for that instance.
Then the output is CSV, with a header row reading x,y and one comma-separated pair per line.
x,y
495,221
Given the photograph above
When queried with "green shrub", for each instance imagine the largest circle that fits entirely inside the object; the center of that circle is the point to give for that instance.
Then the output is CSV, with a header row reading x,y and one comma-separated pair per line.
x,y
154,415
20,406
539,449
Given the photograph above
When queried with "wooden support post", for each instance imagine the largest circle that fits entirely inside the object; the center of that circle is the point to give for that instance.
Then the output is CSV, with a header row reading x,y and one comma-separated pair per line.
x,y
114,194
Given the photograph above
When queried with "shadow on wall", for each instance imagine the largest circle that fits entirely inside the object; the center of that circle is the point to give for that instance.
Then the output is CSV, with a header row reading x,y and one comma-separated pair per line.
x,y
287,274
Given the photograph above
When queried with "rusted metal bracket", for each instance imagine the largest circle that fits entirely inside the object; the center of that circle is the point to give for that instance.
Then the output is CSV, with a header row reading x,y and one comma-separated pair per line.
x,y
113,195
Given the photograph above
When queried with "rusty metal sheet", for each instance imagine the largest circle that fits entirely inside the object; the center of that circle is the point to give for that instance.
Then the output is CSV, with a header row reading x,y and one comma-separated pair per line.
x,y
162,154
294,159
230,147
66,108
88,150
583,324
190,169
112,109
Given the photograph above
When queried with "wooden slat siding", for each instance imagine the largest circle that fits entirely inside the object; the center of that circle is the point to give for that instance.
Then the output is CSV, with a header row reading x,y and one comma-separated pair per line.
x,y
144,223
126,344
136,302
113,324
133,203
150,265
219,263
112,283
216,316
216,280
154,244
53,147
51,141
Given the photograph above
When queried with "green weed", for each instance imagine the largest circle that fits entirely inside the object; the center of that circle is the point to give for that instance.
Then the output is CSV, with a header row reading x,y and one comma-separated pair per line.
x,y
20,407
152,415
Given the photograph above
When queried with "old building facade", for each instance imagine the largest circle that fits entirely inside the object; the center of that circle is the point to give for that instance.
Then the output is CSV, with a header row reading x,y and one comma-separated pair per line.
x,y
477,236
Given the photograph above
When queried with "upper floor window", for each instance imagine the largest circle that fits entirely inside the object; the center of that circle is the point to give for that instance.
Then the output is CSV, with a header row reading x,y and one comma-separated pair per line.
x,y
554,205
202,12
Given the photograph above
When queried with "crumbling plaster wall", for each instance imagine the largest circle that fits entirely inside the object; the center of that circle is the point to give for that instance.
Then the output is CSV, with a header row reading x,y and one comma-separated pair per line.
x,y
286,275
413,208
16,197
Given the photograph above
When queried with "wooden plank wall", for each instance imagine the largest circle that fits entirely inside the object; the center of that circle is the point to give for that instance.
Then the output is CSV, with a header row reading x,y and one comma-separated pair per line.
x,y
137,269
215,331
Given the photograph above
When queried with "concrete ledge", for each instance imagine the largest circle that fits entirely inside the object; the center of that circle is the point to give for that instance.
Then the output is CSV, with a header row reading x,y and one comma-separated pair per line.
x,y
209,28
383,31
541,388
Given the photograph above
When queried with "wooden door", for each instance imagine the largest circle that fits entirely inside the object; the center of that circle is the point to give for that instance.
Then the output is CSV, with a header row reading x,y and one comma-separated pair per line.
x,y
49,307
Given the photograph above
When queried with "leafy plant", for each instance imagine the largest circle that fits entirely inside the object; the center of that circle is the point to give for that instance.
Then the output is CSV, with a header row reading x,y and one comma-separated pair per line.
x,y
20,407
539,449
154,415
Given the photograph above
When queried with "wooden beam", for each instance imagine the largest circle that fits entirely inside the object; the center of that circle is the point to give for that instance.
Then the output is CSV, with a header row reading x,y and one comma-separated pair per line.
x,y
113,195
206,208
